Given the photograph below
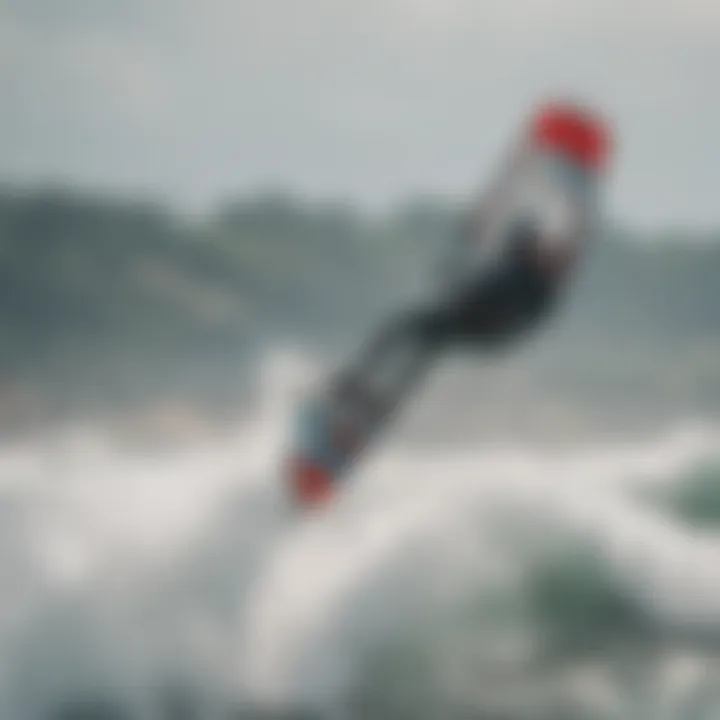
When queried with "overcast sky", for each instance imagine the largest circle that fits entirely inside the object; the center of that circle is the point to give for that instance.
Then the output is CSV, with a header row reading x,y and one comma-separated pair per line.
x,y
367,99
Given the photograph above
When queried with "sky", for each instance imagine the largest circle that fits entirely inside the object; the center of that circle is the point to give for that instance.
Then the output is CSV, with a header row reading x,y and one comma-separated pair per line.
x,y
367,100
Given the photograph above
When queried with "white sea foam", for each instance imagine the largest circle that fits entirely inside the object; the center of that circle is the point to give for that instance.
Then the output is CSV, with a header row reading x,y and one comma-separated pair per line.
x,y
127,575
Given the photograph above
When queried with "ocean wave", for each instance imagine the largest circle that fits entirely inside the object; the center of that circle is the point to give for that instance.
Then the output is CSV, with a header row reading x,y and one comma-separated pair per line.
x,y
491,581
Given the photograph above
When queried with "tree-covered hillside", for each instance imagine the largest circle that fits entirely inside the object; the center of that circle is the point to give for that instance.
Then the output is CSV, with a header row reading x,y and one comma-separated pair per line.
x,y
107,300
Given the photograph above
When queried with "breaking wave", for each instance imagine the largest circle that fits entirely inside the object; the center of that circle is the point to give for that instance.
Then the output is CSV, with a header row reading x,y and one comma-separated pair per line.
x,y
493,581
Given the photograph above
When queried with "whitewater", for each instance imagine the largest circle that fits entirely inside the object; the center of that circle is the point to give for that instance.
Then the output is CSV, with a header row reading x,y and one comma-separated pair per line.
x,y
492,580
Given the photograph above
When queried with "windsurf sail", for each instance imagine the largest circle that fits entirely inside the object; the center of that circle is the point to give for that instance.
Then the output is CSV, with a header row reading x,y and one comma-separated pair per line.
x,y
520,240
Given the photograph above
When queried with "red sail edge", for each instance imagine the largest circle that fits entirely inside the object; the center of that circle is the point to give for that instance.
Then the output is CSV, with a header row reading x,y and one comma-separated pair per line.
x,y
573,131
310,483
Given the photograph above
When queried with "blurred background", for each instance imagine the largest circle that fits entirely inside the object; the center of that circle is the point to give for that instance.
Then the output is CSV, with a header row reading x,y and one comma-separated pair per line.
x,y
203,208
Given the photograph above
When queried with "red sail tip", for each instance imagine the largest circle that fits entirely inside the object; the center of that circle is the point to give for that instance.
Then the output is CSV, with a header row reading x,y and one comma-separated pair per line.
x,y
573,131
310,484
